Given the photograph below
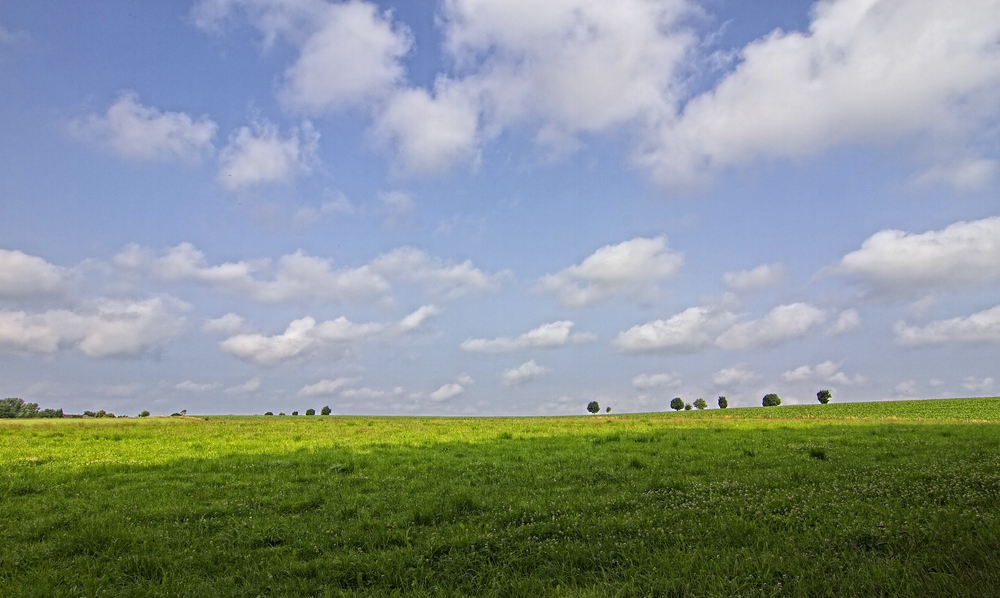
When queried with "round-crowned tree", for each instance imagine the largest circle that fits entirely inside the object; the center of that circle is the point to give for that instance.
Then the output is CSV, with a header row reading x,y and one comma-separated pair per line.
x,y
310,412
700,403
723,403
677,404
325,410
607,410
824,396
593,407
687,406
771,400
144,413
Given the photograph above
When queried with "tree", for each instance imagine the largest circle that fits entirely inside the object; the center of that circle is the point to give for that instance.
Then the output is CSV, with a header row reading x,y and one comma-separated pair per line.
x,y
310,412
771,400
593,407
268,413
687,406
12,407
325,410
144,413
295,412
700,403
723,403
608,410
824,396
677,404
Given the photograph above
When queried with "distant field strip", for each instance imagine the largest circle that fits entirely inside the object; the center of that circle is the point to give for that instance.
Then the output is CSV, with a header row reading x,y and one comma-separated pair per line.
x,y
865,499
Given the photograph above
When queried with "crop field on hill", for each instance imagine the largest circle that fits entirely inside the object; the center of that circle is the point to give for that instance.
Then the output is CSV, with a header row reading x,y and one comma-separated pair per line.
x,y
874,499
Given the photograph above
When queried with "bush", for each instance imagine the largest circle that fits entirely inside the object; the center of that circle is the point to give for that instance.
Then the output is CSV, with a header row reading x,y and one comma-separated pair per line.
x,y
268,413
723,403
771,400
310,412
325,410
295,412
687,406
824,396
677,404
51,413
593,407
144,413
89,414
700,403
608,410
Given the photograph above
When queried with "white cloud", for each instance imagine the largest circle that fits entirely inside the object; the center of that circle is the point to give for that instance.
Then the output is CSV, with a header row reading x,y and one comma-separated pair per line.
x,y
967,174
106,328
525,372
23,275
140,132
300,277
981,327
870,71
686,332
251,385
259,154
828,371
736,375
630,268
782,323
189,386
368,393
646,381
906,388
848,320
307,215
979,385
763,276
397,208
325,387
452,389
228,324
895,262
555,334
304,336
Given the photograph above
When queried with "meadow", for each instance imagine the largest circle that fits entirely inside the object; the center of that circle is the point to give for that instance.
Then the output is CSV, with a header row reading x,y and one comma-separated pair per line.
x,y
864,499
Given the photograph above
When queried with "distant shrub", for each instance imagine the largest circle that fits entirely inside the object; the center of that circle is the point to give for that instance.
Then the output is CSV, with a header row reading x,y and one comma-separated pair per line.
x,y
295,412
51,413
310,412
687,406
677,404
89,414
281,413
700,403
593,407
144,413
325,410
824,396
771,400
723,403
608,410
268,413
175,415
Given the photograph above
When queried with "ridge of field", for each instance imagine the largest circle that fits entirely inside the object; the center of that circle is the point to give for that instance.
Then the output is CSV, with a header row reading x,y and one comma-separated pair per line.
x,y
864,499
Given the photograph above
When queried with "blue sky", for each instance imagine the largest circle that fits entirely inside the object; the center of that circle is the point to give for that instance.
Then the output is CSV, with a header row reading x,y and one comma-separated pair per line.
x,y
473,207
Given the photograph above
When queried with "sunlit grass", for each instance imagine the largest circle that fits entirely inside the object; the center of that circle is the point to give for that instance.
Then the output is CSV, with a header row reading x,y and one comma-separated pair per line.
x,y
852,499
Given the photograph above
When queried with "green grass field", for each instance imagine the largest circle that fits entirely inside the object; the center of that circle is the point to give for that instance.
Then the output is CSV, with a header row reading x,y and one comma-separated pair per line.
x,y
872,499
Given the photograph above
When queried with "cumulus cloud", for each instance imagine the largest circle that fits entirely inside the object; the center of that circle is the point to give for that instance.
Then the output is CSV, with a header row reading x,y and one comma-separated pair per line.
x,y
259,154
525,372
228,324
647,381
693,329
251,385
782,323
555,334
325,387
189,386
305,336
105,328
307,215
763,276
370,393
736,375
23,275
452,389
828,371
300,277
630,268
894,262
981,327
847,320
973,384
140,132
866,71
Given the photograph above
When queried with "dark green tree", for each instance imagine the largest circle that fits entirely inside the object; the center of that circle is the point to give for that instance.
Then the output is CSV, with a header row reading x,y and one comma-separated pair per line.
x,y
771,400
607,410
687,406
723,403
677,404
593,407
325,410
310,412
700,403
824,396
144,413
